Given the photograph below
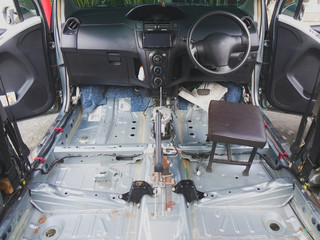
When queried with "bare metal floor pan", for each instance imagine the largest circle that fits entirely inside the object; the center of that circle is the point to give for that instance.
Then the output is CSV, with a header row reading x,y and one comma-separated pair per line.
x,y
76,206
79,198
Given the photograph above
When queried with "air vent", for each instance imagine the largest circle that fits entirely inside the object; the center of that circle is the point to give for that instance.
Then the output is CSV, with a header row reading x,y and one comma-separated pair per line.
x,y
164,26
247,21
156,27
73,24
150,26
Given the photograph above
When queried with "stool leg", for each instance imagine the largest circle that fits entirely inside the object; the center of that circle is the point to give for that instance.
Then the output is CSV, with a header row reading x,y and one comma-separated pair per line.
x,y
229,152
213,149
253,153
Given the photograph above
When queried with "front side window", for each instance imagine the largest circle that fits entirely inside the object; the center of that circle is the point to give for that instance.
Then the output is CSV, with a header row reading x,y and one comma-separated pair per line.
x,y
15,11
289,8
309,11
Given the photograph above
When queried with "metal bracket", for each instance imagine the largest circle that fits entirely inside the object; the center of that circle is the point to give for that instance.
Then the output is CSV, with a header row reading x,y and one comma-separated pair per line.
x,y
52,45
189,190
137,191
158,154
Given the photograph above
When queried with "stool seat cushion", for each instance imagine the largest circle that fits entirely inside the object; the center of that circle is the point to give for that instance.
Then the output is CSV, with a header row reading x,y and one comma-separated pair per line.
x,y
235,123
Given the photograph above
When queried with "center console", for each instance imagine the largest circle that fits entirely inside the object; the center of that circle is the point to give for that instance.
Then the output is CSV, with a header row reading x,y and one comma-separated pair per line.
x,y
157,67
157,42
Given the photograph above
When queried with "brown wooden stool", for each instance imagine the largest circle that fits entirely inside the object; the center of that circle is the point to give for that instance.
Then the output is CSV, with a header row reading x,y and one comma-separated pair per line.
x,y
235,123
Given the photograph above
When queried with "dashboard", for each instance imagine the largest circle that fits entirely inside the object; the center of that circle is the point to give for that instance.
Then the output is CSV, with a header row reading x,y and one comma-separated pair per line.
x,y
109,47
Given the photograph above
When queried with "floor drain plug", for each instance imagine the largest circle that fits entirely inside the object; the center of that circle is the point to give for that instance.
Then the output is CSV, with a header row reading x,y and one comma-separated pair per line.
x,y
274,227
50,233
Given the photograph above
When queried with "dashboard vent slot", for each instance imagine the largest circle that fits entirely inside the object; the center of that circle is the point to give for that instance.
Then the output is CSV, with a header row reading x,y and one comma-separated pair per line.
x,y
164,26
156,27
73,24
150,26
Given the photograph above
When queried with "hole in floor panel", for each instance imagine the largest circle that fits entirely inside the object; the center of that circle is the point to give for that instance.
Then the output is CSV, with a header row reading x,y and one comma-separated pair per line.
x,y
50,233
274,227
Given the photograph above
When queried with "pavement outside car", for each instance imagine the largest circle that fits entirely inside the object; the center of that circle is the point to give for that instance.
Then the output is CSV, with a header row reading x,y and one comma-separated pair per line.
x,y
33,130
287,124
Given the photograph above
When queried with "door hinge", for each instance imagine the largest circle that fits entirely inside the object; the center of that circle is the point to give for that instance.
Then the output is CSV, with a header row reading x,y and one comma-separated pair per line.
x,y
52,45
263,63
267,43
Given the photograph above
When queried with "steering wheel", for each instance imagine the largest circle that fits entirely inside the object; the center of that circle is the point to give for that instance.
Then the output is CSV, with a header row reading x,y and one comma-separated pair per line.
x,y
215,49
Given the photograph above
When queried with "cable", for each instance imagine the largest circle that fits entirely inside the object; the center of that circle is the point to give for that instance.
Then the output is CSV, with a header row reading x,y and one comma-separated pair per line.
x,y
199,163
52,165
285,158
173,135
269,162
204,155
57,130
61,160
153,105
175,148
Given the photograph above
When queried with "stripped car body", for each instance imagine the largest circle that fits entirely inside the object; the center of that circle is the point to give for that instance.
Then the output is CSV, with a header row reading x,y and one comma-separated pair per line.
x,y
128,158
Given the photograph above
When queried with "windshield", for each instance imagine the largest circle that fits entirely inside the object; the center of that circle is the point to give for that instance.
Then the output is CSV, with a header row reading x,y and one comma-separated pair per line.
x,y
72,6
125,3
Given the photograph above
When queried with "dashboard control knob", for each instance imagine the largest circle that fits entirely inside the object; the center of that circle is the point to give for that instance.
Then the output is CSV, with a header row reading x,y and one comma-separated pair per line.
x,y
157,70
157,58
157,81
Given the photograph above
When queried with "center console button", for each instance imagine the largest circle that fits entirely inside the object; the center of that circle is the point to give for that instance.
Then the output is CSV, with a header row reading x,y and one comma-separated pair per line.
x,y
157,81
157,70
157,58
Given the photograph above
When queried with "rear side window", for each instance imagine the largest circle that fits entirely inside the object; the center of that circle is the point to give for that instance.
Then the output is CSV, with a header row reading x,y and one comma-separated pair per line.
x,y
27,9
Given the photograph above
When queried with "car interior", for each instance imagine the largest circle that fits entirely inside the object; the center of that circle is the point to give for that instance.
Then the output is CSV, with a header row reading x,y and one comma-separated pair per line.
x,y
163,136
